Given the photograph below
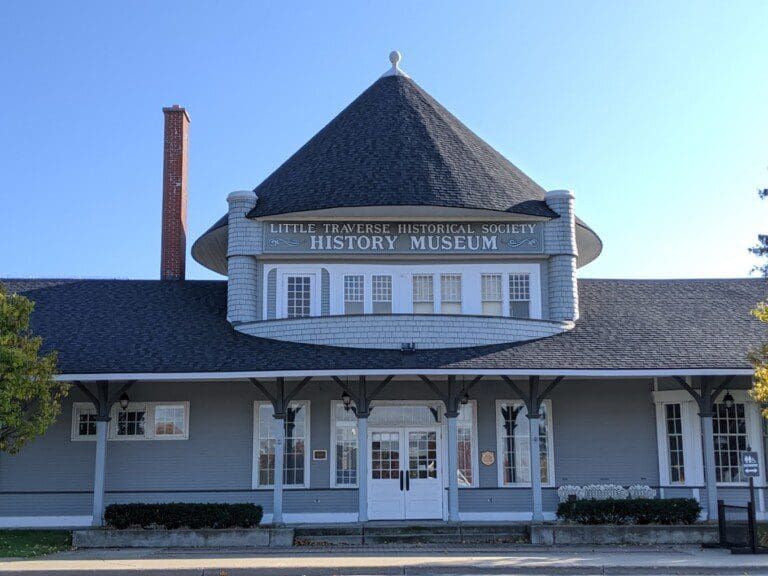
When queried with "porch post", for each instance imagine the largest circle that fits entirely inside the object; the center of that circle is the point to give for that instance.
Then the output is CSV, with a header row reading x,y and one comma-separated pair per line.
x,y
452,413
710,474
362,467
102,426
277,502
535,451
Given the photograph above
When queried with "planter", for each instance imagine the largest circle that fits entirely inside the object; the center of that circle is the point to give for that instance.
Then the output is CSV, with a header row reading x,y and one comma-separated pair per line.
x,y
204,538
562,534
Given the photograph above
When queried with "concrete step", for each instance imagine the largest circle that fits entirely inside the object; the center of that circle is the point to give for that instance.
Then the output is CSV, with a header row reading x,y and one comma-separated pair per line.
x,y
393,533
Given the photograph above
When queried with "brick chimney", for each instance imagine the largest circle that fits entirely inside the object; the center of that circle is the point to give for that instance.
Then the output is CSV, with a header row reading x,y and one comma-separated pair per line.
x,y
174,238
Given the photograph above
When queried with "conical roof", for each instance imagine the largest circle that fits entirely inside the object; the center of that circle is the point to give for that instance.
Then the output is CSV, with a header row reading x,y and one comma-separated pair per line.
x,y
395,145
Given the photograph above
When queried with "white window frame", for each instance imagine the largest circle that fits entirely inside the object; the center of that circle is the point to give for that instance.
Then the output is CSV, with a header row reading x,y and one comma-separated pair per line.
x,y
185,432
307,447
281,297
365,289
77,409
692,436
149,422
438,281
369,279
483,295
436,291
332,451
500,444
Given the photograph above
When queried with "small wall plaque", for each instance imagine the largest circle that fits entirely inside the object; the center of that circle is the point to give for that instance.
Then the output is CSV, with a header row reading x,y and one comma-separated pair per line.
x,y
319,455
488,457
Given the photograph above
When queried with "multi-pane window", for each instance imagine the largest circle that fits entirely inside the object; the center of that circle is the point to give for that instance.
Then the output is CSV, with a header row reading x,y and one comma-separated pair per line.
x,y
520,295
295,452
422,454
85,421
131,421
492,294
729,425
298,296
170,420
423,294
345,438
514,444
385,455
450,293
381,293
354,294
465,434
674,425
139,421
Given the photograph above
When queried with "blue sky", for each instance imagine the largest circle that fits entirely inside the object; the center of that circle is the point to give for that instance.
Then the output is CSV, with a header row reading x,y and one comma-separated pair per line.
x,y
654,113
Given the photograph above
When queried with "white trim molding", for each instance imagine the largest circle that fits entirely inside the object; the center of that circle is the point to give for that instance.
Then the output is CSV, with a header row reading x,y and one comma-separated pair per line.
x,y
553,372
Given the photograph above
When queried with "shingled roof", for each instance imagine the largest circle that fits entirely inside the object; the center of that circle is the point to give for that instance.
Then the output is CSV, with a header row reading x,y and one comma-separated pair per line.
x,y
395,145
131,326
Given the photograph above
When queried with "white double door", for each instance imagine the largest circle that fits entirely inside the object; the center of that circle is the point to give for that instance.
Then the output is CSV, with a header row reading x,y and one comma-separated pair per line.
x,y
405,473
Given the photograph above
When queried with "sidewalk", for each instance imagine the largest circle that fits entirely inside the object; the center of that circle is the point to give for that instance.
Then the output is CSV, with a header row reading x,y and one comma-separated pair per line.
x,y
391,560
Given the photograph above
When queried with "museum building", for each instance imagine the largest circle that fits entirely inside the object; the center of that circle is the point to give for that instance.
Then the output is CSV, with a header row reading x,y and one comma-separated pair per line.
x,y
401,334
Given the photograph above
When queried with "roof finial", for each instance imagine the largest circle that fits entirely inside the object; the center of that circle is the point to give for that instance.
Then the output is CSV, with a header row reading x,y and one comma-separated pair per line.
x,y
395,58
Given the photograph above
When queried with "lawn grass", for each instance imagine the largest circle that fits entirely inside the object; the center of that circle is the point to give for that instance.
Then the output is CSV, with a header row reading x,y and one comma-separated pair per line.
x,y
29,543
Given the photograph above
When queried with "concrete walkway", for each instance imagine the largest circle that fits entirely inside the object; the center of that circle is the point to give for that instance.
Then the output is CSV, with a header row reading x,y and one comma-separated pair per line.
x,y
391,560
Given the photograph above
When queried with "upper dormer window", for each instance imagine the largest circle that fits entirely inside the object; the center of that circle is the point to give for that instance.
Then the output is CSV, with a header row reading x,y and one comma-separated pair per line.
x,y
520,295
492,294
450,293
381,293
298,296
354,294
423,294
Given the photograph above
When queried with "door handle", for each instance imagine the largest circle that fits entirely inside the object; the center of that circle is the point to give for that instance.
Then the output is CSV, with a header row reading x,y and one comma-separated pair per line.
x,y
401,480
407,480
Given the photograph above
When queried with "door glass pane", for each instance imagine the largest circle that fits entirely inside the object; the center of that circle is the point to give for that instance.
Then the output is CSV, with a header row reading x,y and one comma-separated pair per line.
x,y
385,455
422,455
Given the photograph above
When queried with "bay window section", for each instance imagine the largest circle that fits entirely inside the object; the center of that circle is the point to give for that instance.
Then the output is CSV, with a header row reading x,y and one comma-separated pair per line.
x,y
423,294
295,464
354,294
520,295
450,293
514,445
491,294
344,447
381,293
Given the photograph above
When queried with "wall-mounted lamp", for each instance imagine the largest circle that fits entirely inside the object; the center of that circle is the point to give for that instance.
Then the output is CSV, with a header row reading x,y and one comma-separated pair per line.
x,y
124,401
346,400
465,399
728,400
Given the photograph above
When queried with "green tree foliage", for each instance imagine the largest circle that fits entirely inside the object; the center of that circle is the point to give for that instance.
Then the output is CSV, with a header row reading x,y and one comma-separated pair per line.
x,y
30,398
759,356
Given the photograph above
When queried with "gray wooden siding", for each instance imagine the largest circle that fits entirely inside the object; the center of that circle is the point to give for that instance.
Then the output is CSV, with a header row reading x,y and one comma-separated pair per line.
x,y
604,431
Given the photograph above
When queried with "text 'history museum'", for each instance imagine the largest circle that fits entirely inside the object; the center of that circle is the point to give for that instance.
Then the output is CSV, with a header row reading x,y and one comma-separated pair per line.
x,y
401,334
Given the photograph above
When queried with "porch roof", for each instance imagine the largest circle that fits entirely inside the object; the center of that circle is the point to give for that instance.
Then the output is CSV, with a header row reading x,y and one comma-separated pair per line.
x,y
143,326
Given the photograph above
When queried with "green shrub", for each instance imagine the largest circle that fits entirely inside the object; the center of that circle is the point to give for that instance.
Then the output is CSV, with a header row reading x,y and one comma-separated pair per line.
x,y
630,511
182,515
